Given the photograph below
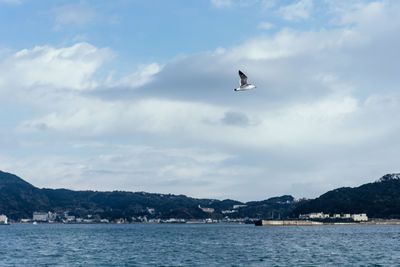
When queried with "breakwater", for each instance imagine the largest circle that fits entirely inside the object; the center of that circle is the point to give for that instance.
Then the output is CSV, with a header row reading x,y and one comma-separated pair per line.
x,y
312,223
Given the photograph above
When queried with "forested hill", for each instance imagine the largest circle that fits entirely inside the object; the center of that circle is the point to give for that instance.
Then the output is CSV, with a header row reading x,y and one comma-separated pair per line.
x,y
380,199
19,199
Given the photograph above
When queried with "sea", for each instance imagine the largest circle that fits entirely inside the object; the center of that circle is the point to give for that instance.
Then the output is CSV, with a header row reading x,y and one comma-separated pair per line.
x,y
198,245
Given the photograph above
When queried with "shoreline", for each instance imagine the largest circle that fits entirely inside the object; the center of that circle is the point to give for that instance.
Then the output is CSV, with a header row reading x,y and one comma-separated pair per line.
x,y
319,223
256,223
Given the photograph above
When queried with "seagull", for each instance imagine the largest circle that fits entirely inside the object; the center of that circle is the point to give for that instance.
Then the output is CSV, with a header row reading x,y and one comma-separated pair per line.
x,y
243,83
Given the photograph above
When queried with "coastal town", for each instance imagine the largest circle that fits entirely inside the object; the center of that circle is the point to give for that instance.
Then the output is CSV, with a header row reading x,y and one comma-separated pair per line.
x,y
362,217
316,218
52,217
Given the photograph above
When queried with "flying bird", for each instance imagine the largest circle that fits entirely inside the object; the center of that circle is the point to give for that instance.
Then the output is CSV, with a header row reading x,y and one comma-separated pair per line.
x,y
244,86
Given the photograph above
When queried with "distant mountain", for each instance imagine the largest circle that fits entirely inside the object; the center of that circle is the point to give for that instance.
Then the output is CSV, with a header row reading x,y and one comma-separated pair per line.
x,y
19,199
272,208
380,199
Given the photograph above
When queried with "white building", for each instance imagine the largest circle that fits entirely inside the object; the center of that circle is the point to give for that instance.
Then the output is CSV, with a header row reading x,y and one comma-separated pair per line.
x,y
318,215
360,217
228,211
51,216
238,206
314,215
70,218
3,219
40,216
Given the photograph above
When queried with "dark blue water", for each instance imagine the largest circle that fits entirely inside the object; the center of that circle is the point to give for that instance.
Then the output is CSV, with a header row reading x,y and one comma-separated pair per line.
x,y
198,245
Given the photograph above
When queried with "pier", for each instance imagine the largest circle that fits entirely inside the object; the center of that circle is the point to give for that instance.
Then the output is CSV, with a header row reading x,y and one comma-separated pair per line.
x,y
286,222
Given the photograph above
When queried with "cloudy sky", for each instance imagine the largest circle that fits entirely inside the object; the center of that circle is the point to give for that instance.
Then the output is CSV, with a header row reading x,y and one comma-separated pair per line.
x,y
137,95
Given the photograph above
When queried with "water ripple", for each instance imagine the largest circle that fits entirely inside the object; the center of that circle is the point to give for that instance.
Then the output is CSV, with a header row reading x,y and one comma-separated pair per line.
x,y
198,245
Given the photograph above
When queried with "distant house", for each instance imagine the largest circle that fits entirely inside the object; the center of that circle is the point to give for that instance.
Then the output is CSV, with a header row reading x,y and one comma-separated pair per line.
x,y
314,215
51,216
360,217
70,218
238,206
3,219
44,216
318,215
40,216
228,211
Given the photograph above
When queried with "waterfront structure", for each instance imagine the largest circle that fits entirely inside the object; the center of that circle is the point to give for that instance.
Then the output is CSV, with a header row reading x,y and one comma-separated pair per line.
x,y
320,216
285,223
120,220
314,215
360,217
51,216
40,216
44,216
70,218
228,211
3,219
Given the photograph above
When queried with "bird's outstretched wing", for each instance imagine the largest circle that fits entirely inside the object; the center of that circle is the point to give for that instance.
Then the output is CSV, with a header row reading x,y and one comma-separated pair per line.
x,y
243,78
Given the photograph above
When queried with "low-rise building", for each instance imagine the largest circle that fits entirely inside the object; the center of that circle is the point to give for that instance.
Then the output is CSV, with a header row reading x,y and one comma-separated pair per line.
x,y
347,216
51,216
238,206
229,211
318,215
3,219
40,216
360,217
70,218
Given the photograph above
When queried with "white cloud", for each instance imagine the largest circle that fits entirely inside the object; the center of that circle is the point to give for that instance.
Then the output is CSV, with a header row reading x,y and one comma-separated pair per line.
x,y
324,111
267,4
297,11
265,25
135,168
141,77
78,14
17,2
221,3
69,67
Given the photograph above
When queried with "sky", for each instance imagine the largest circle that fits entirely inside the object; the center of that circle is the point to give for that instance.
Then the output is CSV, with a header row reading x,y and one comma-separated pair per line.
x,y
137,95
